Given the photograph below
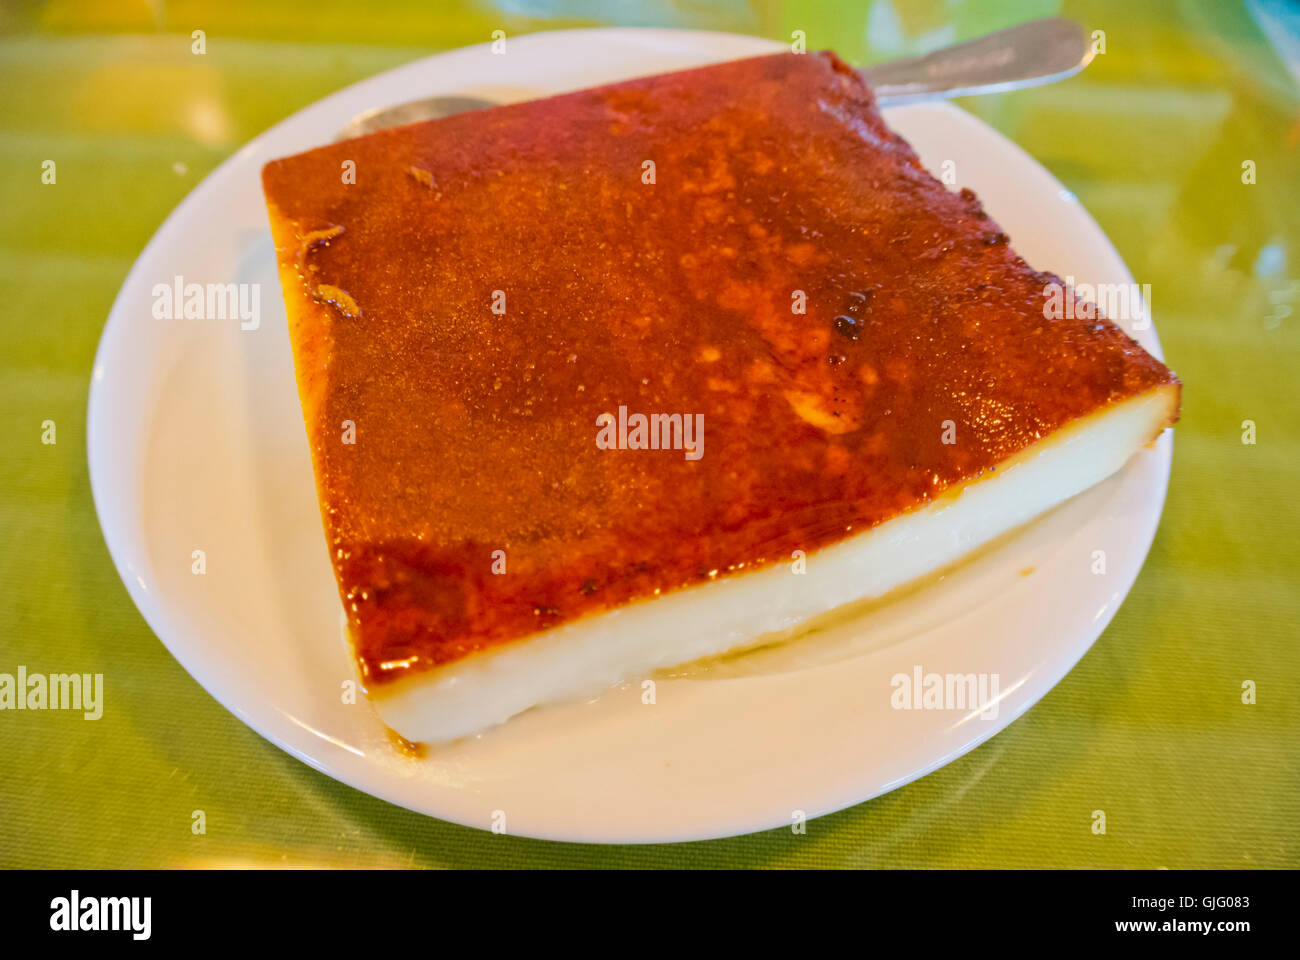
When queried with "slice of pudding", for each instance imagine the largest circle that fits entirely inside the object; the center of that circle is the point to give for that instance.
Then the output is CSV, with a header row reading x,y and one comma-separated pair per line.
x,y
611,381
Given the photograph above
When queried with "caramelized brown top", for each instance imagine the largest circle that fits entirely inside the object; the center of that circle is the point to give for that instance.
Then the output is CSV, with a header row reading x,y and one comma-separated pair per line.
x,y
791,274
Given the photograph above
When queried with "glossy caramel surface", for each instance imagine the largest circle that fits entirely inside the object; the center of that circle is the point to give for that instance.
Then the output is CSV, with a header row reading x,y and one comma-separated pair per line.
x,y
791,274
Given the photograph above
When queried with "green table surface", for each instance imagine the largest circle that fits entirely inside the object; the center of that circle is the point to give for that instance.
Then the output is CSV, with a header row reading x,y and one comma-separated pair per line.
x,y
1149,727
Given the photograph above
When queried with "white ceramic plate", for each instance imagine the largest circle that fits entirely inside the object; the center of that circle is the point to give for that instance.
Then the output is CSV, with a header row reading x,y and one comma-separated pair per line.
x,y
196,442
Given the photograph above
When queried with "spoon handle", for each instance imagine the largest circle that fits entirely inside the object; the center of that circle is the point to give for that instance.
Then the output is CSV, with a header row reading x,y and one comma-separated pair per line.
x,y
1026,55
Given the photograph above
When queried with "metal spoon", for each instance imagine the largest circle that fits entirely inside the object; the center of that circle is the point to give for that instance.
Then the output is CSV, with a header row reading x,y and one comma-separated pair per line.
x,y
431,108
1041,51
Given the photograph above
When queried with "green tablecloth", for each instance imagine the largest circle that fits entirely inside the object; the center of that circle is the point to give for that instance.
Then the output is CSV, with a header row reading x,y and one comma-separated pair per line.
x,y
1150,726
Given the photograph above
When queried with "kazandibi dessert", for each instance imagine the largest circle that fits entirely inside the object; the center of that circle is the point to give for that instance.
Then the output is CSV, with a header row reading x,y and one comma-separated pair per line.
x,y
746,247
